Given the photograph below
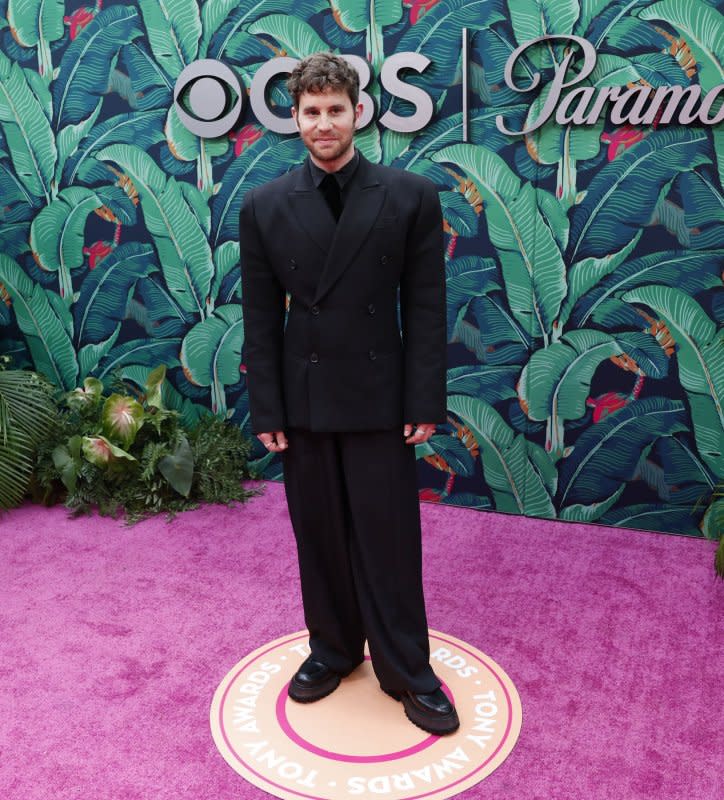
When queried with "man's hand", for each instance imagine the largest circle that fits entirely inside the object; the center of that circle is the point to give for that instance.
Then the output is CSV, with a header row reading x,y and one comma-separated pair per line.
x,y
422,434
275,441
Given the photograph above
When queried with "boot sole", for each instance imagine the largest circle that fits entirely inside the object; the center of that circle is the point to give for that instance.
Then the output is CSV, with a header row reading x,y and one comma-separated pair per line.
x,y
439,725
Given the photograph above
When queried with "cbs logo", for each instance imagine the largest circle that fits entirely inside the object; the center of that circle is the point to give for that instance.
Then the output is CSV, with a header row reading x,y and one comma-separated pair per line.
x,y
209,98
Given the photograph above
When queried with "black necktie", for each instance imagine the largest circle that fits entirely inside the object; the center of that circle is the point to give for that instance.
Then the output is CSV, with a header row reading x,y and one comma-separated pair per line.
x,y
331,192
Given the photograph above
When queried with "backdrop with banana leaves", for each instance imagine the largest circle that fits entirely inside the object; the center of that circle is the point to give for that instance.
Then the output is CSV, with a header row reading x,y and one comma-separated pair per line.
x,y
584,263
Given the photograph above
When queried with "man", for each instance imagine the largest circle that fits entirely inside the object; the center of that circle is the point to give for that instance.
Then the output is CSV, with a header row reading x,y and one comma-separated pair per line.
x,y
338,392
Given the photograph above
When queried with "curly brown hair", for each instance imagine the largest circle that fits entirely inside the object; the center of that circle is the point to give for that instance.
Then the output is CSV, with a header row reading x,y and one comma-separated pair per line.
x,y
320,71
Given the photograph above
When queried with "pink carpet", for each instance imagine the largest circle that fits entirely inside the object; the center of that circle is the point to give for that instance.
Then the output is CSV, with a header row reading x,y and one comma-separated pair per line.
x,y
113,641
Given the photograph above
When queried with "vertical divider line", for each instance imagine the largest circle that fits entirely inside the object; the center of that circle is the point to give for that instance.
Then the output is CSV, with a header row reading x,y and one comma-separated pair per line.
x,y
464,71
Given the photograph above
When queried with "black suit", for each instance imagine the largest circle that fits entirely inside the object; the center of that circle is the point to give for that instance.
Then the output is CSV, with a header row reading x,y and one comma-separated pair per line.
x,y
341,380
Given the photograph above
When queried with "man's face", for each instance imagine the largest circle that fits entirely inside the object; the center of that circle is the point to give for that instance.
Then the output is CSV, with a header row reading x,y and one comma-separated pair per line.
x,y
326,122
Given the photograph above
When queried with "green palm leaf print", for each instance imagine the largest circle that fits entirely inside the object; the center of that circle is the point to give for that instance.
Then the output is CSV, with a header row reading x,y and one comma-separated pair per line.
x,y
182,246
174,30
532,263
37,23
46,323
518,486
700,353
25,123
56,235
211,353
622,195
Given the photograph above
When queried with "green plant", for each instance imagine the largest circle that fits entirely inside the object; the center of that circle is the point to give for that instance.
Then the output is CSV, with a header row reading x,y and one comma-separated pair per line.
x,y
26,412
131,456
712,526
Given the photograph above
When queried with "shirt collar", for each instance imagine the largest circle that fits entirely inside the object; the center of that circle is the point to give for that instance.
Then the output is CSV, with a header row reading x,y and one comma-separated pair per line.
x,y
342,175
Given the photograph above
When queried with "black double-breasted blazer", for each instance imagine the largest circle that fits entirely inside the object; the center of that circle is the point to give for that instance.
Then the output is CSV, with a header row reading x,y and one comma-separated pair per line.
x,y
343,361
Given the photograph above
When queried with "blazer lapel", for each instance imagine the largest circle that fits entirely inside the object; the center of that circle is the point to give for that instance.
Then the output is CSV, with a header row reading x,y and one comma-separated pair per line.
x,y
361,208
311,210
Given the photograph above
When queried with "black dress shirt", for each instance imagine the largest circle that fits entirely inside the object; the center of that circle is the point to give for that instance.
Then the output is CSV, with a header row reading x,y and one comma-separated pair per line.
x,y
342,177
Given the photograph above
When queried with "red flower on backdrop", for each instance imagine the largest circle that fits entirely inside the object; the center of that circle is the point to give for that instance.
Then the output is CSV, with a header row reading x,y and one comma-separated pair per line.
x,y
96,253
244,137
80,18
621,139
429,495
418,8
606,404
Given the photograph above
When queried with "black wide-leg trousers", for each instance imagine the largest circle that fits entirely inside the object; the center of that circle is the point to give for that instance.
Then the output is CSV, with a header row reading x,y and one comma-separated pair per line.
x,y
354,508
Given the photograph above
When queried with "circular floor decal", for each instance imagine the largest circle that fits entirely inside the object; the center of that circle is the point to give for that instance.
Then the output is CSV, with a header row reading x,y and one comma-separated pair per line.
x,y
357,742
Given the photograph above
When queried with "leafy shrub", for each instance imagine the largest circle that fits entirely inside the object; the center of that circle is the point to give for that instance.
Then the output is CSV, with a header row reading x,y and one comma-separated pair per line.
x,y
129,456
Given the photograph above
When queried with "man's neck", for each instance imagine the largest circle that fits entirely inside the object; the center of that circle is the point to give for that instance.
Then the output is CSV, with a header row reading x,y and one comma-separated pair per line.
x,y
337,163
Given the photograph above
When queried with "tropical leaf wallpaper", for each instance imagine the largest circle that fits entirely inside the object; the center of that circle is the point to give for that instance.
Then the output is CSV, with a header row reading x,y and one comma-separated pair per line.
x,y
584,264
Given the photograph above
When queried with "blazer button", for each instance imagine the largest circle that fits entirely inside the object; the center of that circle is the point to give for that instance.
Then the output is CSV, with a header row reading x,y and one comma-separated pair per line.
x,y
314,358
373,355
371,308
315,310
293,263
384,259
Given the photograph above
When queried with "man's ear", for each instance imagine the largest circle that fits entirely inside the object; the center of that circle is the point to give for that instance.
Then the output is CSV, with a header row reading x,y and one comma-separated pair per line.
x,y
294,116
358,113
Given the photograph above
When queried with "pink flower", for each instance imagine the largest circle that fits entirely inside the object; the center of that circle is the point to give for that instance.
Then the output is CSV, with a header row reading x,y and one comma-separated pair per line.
x,y
78,20
621,139
418,8
96,253
244,137
606,404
